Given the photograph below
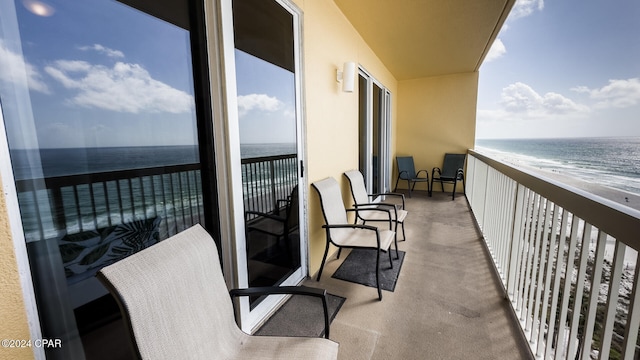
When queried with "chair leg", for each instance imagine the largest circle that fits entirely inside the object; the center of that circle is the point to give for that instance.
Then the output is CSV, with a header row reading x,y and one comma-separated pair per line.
x,y
455,183
396,241
404,235
390,259
339,252
324,258
397,180
430,186
378,274
409,187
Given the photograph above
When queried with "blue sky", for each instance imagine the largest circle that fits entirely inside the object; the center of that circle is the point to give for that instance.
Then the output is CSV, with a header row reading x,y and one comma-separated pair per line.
x,y
563,69
102,74
266,101
98,73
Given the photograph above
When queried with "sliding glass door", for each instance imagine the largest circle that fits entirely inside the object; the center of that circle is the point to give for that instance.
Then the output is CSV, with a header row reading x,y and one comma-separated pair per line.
x,y
110,151
269,119
374,133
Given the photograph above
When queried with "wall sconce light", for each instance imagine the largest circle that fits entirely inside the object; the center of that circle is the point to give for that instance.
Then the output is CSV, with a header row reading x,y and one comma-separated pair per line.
x,y
347,76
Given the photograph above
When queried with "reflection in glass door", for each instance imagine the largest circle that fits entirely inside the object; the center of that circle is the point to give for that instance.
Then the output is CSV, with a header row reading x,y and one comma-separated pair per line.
x,y
266,82
98,104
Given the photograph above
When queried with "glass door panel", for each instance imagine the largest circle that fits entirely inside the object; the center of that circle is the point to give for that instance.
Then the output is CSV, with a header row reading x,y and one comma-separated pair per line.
x,y
374,137
268,123
376,143
98,104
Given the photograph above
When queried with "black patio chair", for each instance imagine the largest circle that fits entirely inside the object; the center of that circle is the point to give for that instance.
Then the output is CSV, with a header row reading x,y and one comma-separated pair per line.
x,y
452,171
275,224
407,171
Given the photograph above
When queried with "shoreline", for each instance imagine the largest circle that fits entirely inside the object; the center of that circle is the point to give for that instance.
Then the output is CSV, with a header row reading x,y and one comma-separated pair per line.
x,y
618,196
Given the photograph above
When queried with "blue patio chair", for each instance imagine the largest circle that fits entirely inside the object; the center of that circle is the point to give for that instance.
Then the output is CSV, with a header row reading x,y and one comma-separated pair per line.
x,y
452,171
407,171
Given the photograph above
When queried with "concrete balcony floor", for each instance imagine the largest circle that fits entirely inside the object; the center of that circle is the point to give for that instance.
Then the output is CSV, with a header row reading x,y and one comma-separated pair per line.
x,y
447,304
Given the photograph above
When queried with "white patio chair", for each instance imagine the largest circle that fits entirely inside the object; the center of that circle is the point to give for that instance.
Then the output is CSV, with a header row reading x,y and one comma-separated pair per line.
x,y
176,306
342,234
363,205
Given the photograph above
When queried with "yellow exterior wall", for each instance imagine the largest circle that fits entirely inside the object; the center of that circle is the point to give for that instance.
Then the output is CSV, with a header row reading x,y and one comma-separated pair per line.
x,y
429,117
435,115
332,115
14,323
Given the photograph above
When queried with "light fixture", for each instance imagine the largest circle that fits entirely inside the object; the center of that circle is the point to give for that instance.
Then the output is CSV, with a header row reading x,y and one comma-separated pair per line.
x,y
347,76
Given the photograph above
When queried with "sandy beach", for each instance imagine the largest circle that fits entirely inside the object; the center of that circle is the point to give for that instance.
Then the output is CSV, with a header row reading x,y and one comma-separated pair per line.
x,y
619,196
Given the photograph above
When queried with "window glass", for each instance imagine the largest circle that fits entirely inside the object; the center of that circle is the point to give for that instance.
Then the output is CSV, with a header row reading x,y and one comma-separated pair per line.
x,y
98,103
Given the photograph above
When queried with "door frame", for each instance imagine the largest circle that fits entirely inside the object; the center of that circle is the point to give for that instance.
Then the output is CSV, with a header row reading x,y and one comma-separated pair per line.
x,y
228,158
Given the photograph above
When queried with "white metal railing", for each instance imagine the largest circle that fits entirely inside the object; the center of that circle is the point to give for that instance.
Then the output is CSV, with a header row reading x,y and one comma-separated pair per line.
x,y
567,260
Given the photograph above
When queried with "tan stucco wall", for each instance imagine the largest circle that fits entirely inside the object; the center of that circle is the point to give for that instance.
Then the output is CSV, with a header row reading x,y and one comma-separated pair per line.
x,y
429,117
436,115
332,115
13,324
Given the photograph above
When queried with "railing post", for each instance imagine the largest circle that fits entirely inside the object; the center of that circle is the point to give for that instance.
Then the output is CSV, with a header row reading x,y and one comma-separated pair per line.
x,y
57,208
274,200
515,240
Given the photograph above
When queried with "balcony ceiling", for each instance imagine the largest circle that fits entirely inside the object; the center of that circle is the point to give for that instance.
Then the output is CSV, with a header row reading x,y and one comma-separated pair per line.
x,y
423,38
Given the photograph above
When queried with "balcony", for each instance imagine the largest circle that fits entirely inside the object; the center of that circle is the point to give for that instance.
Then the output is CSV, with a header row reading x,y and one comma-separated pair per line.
x,y
483,276
486,277
447,304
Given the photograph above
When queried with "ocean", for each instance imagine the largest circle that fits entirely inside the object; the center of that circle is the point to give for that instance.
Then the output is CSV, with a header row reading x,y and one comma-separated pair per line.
x,y
608,161
34,163
172,193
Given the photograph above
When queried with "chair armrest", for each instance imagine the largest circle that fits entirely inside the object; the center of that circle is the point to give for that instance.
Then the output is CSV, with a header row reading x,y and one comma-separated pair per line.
x,y
288,290
352,226
391,194
368,207
270,216
377,206
406,176
425,172
433,172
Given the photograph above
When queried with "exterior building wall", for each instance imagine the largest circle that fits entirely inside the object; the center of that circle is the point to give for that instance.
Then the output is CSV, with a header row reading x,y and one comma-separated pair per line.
x,y
430,117
329,40
14,324
436,115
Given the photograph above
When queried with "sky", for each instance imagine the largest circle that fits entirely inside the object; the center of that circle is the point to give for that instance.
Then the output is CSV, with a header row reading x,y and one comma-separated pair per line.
x,y
98,73
567,68
94,73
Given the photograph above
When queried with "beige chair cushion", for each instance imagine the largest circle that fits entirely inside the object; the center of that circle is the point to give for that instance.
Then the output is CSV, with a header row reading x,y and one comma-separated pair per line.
x,y
179,306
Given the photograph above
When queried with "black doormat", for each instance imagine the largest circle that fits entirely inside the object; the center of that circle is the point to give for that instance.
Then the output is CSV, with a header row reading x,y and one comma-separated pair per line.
x,y
301,316
360,267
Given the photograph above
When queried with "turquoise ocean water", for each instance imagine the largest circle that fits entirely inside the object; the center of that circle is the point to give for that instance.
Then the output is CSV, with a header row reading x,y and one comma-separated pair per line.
x,y
608,161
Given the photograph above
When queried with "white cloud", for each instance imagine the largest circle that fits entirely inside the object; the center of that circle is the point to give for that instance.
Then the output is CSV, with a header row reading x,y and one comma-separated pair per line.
x,y
103,50
521,99
523,8
15,69
617,94
497,50
263,102
123,88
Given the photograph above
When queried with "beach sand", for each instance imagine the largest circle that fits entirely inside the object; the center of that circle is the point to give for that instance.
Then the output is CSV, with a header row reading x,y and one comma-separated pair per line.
x,y
619,196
